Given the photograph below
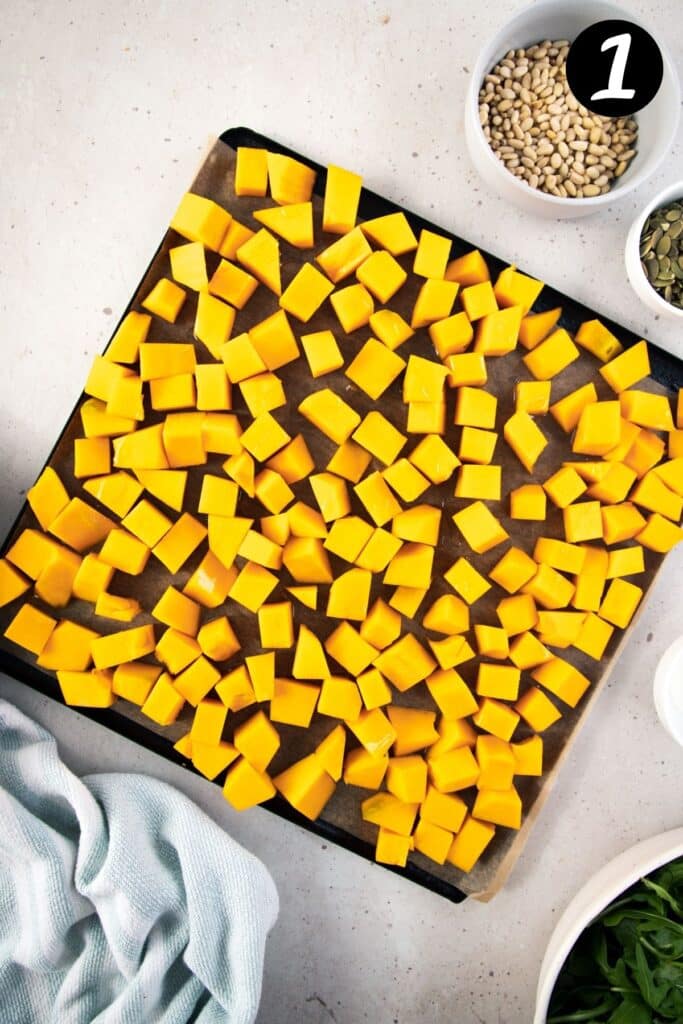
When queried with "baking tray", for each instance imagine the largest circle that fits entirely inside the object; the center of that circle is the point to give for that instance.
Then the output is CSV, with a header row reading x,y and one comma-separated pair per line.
x,y
341,822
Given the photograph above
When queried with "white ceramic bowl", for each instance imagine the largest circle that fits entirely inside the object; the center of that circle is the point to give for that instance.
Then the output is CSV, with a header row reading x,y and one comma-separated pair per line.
x,y
636,274
668,690
560,19
596,894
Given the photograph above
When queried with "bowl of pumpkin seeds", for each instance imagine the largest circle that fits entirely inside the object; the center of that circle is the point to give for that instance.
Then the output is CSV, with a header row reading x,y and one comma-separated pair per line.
x,y
654,252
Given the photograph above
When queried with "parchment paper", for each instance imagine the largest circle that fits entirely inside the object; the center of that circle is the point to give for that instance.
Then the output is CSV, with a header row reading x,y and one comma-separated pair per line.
x,y
215,180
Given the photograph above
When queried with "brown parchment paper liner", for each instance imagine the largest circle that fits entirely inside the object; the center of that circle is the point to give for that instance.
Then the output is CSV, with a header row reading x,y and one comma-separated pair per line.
x,y
215,180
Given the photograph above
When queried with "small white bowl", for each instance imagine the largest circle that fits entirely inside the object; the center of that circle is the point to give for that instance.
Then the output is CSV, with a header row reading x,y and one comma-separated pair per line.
x,y
558,19
636,274
668,690
613,879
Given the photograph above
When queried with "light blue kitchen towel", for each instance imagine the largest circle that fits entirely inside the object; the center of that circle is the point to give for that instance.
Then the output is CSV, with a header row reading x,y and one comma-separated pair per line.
x,y
120,901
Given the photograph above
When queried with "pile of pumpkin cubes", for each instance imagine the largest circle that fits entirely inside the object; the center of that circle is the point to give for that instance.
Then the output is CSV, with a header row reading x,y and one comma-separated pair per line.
x,y
448,768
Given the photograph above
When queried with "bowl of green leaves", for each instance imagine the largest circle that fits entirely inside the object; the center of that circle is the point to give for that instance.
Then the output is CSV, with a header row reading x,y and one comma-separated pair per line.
x,y
616,954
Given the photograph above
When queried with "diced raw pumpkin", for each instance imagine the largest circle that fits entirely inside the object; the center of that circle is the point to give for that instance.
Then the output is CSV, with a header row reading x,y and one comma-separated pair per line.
x,y
468,269
620,602
479,527
479,482
413,728
201,220
659,534
382,275
290,181
434,302
525,438
466,580
353,306
455,770
496,718
294,223
246,787
405,663
80,525
67,648
217,639
434,458
195,682
646,409
469,844
379,437
375,732
497,332
12,583
499,807
349,595
549,588
345,255
513,288
537,326
330,414
475,407
306,786
452,335
594,336
251,171
176,546
306,292
375,368
478,300
513,570
129,335
466,369
86,689
406,480
48,497
567,411
582,521
322,352
256,739
532,396
563,556
236,235
594,636
432,255
562,679
391,232
496,763
499,681
134,681
527,651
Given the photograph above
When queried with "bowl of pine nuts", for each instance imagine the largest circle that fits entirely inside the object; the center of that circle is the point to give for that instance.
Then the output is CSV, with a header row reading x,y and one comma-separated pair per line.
x,y
530,138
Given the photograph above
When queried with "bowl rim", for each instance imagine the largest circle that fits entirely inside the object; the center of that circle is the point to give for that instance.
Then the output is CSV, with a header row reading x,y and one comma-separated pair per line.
x,y
655,852
651,296
481,68
661,688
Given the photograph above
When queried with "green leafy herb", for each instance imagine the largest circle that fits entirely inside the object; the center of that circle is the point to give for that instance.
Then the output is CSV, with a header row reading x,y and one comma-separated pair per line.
x,y
627,966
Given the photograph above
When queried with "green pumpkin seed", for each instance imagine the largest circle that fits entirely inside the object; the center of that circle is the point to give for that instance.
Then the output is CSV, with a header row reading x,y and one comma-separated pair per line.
x,y
663,245
661,251
652,270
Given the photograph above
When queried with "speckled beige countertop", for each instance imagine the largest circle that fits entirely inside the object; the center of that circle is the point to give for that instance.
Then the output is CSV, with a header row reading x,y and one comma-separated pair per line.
x,y
105,110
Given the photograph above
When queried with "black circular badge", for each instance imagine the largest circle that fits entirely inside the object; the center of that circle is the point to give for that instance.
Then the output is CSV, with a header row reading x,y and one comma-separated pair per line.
x,y
614,68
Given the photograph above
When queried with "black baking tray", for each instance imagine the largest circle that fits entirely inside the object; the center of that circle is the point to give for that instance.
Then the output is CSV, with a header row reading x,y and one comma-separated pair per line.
x,y
667,370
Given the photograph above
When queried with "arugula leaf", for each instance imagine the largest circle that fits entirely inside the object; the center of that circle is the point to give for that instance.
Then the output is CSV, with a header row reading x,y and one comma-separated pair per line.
x,y
627,966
